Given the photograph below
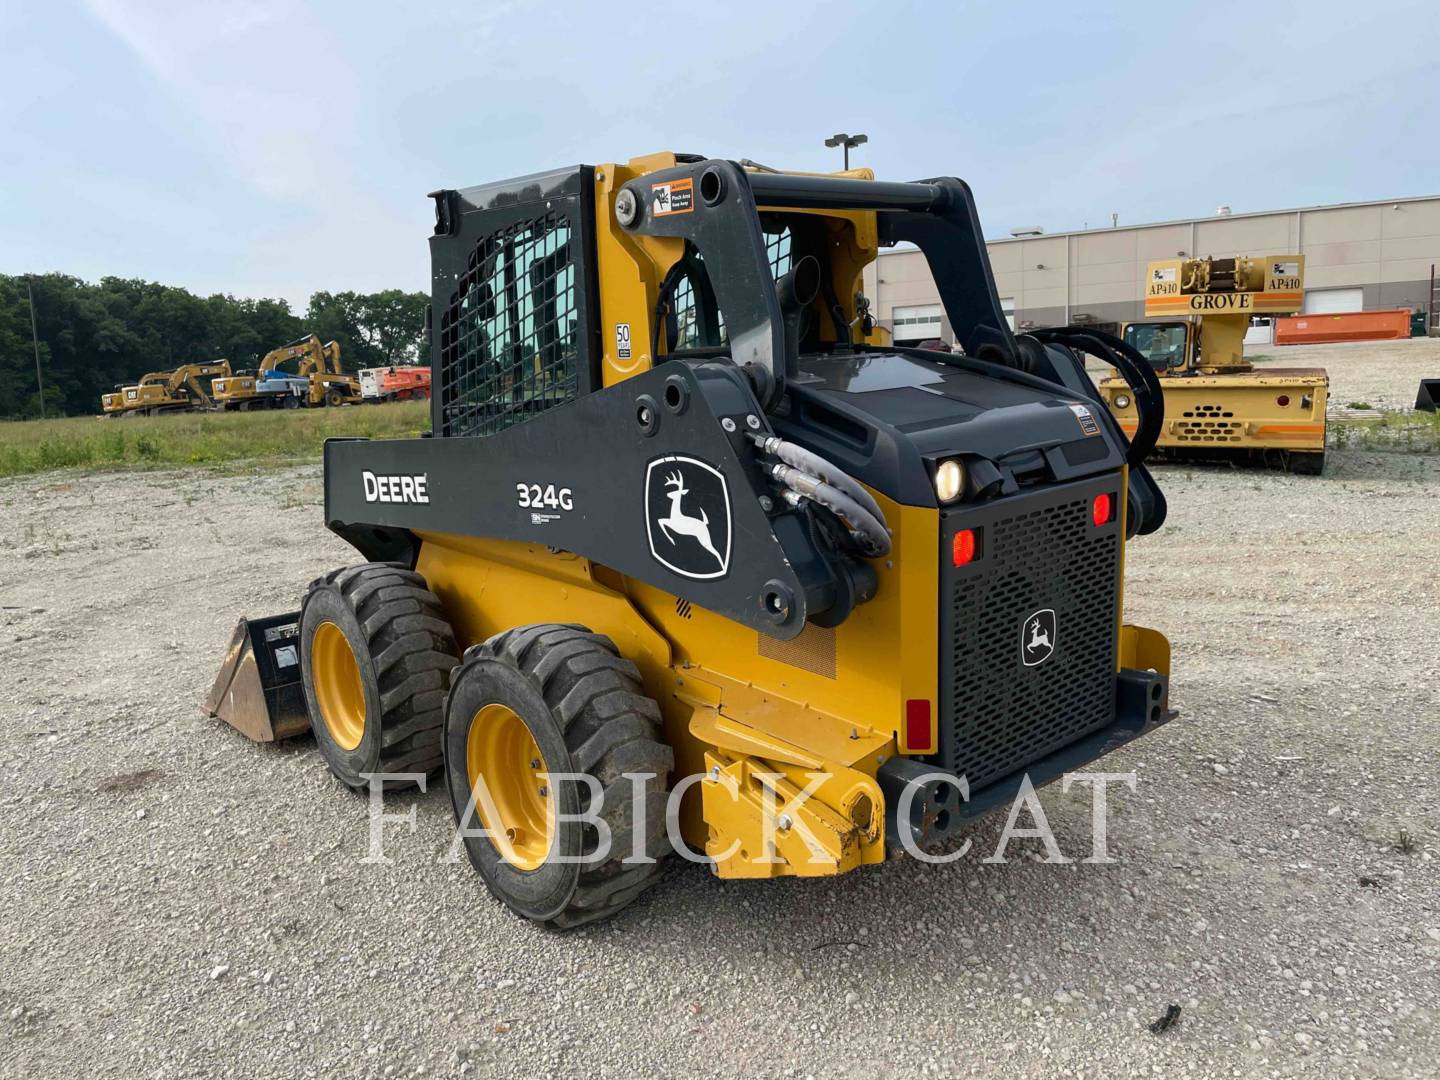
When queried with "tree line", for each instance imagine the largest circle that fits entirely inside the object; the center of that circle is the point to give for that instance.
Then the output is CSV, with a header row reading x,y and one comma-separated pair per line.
x,y
94,337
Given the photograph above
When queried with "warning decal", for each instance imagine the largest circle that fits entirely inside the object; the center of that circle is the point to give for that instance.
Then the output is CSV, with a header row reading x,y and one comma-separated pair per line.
x,y
1086,419
672,197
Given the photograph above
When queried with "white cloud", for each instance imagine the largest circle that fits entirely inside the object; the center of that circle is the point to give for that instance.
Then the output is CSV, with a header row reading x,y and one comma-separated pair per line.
x,y
266,87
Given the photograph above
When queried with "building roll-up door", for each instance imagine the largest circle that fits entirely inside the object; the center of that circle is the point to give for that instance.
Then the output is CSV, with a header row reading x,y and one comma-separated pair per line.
x,y
1333,301
918,323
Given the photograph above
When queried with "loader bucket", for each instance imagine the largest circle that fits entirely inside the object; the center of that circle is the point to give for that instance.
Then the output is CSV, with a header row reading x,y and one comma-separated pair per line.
x,y
258,691
1428,399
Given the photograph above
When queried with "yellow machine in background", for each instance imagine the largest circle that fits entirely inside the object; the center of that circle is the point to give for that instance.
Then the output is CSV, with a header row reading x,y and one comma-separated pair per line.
x,y
167,391
1216,403
113,404
271,387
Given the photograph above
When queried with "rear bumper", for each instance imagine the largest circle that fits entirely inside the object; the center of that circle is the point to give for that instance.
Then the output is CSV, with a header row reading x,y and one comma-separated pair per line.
x,y
937,810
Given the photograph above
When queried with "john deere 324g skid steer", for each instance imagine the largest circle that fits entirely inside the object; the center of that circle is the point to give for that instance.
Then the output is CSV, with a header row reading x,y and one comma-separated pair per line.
x,y
684,524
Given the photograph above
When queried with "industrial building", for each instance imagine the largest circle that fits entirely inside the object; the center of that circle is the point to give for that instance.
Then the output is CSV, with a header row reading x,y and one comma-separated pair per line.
x,y
1362,256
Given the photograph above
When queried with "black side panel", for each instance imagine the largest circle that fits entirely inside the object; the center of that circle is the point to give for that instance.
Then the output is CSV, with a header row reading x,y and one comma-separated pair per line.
x,y
673,501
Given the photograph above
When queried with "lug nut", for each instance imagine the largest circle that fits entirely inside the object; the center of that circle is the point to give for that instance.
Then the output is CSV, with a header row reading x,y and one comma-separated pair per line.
x,y
784,822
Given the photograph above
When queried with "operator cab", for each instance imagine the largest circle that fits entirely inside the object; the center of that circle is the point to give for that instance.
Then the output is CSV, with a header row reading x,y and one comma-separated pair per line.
x,y
1163,344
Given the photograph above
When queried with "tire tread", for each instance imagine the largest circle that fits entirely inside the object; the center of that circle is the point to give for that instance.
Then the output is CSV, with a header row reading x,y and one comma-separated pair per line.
x,y
412,649
611,727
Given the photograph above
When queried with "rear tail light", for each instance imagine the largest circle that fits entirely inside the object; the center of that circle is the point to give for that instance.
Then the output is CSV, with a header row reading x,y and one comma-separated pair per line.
x,y
918,738
1102,510
963,547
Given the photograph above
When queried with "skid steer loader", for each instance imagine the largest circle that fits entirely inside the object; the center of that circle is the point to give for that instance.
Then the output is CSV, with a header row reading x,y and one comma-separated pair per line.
x,y
686,535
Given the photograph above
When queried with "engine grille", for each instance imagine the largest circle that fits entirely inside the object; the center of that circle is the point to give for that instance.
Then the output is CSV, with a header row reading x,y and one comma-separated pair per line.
x,y
1038,552
1208,423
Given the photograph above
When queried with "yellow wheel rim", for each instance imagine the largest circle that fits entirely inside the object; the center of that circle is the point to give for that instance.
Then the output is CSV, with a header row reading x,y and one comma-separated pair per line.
x,y
516,807
338,689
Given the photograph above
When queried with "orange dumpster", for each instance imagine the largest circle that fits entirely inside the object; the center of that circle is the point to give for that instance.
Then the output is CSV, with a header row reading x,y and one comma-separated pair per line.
x,y
1348,326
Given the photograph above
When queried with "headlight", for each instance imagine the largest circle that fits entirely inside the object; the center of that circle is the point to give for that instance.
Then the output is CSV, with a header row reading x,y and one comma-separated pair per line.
x,y
949,480
1122,401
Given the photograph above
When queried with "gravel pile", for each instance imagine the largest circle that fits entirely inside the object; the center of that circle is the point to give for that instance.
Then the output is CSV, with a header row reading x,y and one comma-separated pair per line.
x,y
179,901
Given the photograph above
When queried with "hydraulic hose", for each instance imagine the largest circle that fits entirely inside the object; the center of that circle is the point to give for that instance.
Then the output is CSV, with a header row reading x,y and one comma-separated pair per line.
x,y
807,462
1133,367
868,531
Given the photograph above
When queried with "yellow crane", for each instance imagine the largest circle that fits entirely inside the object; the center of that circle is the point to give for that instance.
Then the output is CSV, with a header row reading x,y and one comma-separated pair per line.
x,y
1217,403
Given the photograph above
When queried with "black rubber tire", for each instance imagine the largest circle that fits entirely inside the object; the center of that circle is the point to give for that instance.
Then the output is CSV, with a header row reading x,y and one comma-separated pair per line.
x,y
584,705
291,401
405,651
1307,464
334,398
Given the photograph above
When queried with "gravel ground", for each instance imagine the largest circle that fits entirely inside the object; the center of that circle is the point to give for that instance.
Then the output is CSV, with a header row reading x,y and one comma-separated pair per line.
x,y
1381,374
179,901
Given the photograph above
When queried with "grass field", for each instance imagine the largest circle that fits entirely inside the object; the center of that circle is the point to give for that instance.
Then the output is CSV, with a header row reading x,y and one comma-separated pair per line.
x,y
85,442
32,446
1413,432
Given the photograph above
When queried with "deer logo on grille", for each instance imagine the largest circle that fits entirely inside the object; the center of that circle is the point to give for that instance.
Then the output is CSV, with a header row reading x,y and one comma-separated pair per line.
x,y
1037,637
688,516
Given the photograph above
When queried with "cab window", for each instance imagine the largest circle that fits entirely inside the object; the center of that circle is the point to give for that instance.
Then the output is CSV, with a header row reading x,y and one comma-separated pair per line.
x,y
1163,346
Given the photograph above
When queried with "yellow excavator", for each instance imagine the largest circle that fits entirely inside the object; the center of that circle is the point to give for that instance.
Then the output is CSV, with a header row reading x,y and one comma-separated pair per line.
x,y
181,390
113,403
318,379
1217,404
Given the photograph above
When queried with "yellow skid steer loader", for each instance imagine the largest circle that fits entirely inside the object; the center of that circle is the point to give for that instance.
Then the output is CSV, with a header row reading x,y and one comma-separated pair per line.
x,y
692,559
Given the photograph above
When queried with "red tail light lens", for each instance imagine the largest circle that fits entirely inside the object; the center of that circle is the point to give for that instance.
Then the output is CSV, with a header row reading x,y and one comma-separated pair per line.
x,y
918,739
1102,509
1283,400
962,549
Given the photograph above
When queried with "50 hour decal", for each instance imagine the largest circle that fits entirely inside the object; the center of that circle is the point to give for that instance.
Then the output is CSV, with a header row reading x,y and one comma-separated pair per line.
x,y
533,496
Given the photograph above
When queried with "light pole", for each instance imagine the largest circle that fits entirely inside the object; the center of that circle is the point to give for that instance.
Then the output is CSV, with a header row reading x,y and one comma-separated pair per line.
x,y
35,340
841,139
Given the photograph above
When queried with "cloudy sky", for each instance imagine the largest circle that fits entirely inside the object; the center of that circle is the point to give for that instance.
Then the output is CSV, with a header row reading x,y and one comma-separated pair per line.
x,y
275,147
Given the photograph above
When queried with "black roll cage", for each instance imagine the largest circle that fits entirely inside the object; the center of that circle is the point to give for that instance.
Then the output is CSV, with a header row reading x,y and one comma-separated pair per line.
x,y
938,216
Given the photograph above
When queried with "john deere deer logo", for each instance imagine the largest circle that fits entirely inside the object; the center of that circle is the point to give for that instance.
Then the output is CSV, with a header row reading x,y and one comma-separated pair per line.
x,y
688,516
682,524
1037,637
